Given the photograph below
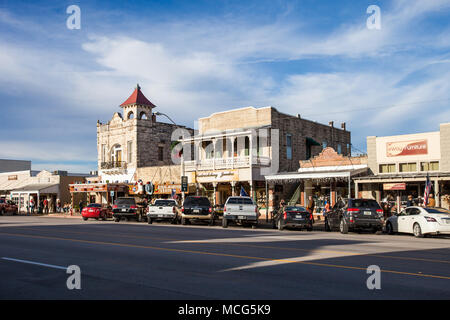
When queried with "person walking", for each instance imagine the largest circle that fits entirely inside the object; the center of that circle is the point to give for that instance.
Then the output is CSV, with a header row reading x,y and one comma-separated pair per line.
x,y
58,206
81,206
45,206
32,205
310,207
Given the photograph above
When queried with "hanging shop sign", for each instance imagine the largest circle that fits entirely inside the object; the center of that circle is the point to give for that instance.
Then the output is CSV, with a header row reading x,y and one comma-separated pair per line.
x,y
394,186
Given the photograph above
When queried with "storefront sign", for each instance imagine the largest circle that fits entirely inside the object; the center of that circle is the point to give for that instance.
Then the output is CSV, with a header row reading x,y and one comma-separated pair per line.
x,y
88,188
406,148
394,186
13,177
166,188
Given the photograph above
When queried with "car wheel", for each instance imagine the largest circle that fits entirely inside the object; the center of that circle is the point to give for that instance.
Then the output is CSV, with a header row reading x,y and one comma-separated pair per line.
x,y
343,227
149,220
417,231
280,225
85,219
255,225
224,223
389,228
116,219
2,213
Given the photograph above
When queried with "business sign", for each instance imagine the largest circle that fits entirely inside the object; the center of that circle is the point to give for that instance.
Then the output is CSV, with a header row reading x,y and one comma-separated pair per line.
x,y
184,183
407,148
13,177
394,186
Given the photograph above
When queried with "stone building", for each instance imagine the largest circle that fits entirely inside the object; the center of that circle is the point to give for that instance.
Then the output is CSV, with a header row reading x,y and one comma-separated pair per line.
x,y
399,166
235,149
133,139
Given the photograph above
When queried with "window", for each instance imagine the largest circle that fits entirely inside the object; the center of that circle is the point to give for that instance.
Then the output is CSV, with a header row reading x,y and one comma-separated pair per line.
x,y
289,146
387,168
161,153
339,148
408,167
324,144
429,166
130,151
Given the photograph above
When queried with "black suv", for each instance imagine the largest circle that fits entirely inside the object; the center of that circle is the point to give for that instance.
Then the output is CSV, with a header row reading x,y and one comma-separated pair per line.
x,y
126,208
197,208
355,214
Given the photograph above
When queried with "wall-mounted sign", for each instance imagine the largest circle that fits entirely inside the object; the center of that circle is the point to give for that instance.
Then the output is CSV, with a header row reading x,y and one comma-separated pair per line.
x,y
407,148
12,177
394,186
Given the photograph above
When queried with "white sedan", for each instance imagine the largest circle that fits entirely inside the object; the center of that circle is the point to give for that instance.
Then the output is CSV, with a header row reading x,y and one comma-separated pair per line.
x,y
420,221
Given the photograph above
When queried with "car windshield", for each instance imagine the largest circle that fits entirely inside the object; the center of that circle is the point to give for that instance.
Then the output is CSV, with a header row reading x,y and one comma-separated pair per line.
x,y
129,201
364,203
297,209
165,203
94,205
197,201
240,200
437,210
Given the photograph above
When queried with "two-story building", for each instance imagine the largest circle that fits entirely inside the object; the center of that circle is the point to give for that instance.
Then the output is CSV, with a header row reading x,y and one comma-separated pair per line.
x,y
400,165
235,149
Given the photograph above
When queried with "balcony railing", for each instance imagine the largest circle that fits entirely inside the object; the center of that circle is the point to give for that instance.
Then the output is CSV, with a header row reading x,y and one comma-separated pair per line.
x,y
113,165
225,163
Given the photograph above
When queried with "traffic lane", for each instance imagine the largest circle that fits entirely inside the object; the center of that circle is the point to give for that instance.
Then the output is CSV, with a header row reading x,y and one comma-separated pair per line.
x,y
190,276
312,256
312,252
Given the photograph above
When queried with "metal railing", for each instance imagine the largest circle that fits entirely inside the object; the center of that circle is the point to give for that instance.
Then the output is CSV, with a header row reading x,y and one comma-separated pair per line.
x,y
113,165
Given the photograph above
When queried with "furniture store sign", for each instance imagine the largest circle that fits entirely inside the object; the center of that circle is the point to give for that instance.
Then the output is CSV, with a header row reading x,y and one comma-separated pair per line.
x,y
407,148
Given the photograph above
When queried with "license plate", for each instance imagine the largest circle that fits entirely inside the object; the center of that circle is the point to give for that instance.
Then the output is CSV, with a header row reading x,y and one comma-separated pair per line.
x,y
196,211
299,217
367,213
241,217
124,210
160,215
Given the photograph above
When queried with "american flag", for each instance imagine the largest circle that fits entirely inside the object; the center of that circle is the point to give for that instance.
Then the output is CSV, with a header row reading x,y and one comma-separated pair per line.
x,y
428,186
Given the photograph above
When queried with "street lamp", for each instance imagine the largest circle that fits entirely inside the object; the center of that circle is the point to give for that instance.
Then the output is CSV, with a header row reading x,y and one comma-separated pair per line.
x,y
182,156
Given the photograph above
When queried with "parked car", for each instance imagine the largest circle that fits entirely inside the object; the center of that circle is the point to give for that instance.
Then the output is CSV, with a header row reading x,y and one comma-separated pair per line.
x,y
96,211
126,208
197,209
420,221
7,206
293,217
162,209
354,215
240,210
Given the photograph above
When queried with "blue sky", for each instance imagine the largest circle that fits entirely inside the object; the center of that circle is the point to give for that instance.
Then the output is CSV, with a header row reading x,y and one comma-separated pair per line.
x,y
192,58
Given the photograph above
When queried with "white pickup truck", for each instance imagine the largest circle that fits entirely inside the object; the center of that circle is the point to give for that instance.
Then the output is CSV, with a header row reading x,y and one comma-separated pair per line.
x,y
240,210
163,209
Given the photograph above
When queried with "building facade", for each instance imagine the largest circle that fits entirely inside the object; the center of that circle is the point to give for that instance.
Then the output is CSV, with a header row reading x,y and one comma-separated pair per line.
x,y
400,166
133,139
235,149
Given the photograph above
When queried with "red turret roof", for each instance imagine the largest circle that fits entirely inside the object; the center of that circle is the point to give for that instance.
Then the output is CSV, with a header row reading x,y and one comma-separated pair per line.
x,y
137,97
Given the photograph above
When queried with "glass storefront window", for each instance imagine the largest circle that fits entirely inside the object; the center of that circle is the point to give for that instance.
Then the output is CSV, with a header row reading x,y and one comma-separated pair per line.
x,y
408,167
387,168
429,166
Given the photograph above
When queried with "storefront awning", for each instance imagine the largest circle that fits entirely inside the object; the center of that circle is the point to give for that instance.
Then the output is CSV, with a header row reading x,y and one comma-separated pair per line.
x,y
312,142
317,173
37,188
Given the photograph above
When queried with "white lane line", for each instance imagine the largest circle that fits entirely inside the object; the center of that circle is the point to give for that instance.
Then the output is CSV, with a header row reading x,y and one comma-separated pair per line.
x,y
35,263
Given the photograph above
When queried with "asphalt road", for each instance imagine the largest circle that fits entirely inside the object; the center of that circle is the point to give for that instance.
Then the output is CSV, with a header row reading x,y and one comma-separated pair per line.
x,y
130,260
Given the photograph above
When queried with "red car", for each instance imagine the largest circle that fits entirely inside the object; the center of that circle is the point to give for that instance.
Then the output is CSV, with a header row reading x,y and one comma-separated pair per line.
x,y
96,211
7,206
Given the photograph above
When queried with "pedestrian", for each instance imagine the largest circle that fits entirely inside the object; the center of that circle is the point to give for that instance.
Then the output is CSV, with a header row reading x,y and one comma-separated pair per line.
x,y
45,206
32,205
327,208
58,206
431,201
81,205
410,202
310,207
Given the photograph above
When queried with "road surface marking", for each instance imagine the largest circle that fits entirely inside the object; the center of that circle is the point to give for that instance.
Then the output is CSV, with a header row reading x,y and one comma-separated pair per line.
x,y
35,263
211,241
225,255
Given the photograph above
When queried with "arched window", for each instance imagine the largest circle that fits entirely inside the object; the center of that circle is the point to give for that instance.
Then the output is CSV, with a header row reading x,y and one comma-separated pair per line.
x,y
143,116
130,115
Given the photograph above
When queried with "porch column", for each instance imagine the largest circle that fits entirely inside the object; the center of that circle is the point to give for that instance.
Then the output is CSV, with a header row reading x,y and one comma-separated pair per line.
x,y
437,193
233,188
251,190
356,189
215,193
